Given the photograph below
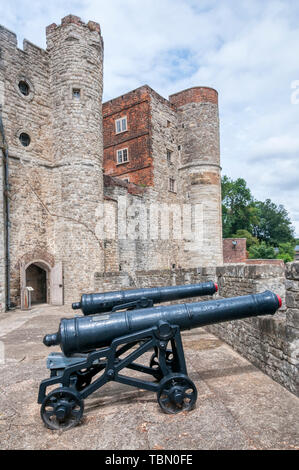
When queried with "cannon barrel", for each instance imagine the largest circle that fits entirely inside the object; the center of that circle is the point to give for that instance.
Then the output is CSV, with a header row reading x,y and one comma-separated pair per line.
x,y
91,304
84,334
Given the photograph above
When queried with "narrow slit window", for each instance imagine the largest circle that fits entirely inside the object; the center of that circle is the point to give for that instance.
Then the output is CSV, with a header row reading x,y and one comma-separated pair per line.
x,y
168,154
171,185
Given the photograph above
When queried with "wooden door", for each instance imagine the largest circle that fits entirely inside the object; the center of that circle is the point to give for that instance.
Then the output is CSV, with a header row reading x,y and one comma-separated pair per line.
x,y
56,285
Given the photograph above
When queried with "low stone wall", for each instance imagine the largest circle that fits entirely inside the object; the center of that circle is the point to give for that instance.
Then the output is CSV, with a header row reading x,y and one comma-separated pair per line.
x,y
270,343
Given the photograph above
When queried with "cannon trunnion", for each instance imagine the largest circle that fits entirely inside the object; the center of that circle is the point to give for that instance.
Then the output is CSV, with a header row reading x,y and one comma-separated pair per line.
x,y
97,349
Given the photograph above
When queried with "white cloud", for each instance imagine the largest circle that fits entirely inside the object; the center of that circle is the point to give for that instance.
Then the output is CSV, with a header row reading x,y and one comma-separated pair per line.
x,y
247,50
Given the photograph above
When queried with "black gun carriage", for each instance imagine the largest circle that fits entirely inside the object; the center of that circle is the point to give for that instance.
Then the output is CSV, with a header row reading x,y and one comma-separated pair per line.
x,y
98,348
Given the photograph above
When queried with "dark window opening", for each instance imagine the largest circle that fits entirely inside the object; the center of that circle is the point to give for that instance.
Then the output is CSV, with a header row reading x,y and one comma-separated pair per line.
x,y
24,88
169,152
24,139
171,185
179,147
76,93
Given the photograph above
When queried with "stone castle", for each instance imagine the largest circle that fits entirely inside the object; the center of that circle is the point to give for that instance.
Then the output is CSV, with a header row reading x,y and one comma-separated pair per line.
x,y
68,164
64,153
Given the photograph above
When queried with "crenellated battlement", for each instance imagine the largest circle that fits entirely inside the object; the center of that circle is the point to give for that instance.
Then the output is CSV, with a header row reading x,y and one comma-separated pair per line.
x,y
9,40
7,37
72,19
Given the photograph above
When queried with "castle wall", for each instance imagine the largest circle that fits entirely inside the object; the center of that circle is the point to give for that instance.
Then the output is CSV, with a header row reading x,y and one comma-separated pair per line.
x,y
29,175
165,138
270,343
56,181
198,135
2,234
182,154
76,77
135,106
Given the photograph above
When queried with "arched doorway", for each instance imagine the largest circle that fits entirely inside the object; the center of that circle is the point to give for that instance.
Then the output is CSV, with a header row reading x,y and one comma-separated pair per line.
x,y
37,278
44,276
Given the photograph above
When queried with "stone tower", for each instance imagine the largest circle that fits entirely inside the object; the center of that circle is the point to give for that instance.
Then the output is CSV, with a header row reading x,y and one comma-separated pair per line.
x,y
51,106
76,84
198,136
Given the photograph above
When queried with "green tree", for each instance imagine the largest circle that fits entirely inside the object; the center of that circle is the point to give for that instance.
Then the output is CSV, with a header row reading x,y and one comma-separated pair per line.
x,y
262,251
286,252
238,208
250,239
274,225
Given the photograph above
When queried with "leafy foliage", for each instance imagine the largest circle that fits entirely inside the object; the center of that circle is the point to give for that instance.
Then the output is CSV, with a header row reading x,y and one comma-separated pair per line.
x,y
274,225
250,239
286,251
264,224
238,209
261,251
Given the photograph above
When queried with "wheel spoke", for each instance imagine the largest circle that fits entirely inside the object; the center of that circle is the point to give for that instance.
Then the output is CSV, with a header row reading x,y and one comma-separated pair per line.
x,y
165,401
76,413
69,401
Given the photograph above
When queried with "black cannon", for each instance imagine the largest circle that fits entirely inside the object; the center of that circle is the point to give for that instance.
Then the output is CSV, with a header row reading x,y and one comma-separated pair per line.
x,y
107,344
140,298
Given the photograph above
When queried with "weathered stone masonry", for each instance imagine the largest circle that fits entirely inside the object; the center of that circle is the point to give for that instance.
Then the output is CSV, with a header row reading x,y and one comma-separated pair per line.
x,y
56,182
52,205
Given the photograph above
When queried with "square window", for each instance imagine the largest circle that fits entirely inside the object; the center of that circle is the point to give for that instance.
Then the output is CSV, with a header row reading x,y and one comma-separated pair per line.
x,y
122,156
121,125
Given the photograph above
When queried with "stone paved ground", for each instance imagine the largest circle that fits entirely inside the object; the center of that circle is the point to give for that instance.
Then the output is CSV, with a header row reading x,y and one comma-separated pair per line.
x,y
238,407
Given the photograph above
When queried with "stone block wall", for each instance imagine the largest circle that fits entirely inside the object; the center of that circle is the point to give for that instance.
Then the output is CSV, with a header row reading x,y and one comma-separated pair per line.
x,y
2,234
270,343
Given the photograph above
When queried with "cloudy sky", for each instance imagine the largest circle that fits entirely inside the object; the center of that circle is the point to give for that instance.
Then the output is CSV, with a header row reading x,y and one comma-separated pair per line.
x,y
247,49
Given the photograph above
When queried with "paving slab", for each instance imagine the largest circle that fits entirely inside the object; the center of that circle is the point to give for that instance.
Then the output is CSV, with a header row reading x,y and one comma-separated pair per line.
x,y
238,406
